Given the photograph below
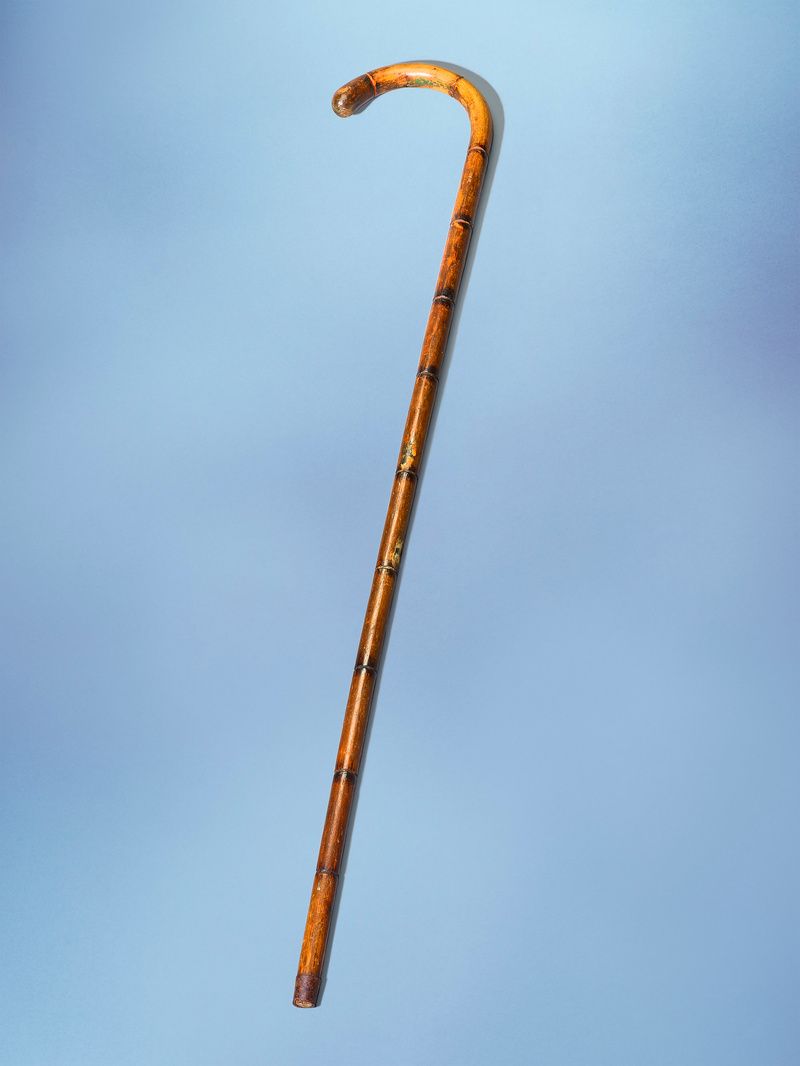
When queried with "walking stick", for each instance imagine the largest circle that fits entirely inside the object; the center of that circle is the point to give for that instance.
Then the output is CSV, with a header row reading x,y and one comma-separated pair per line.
x,y
348,100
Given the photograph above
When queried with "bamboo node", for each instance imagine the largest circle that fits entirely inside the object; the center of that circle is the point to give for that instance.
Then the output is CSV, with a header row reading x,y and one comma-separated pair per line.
x,y
349,775
429,372
406,473
366,667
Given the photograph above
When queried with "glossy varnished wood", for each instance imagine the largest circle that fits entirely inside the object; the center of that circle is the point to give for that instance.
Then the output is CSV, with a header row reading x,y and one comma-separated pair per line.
x,y
348,100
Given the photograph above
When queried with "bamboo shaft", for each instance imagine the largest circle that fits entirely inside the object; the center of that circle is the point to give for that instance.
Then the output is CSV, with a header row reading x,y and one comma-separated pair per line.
x,y
348,100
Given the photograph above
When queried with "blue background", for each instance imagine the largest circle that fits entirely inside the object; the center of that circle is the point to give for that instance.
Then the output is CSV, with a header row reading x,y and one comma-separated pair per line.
x,y
576,840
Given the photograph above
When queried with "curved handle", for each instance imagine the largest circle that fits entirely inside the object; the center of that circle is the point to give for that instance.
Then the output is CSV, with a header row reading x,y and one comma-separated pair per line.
x,y
356,94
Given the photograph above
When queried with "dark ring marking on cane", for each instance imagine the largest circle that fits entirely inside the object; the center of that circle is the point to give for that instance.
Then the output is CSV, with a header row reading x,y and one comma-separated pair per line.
x,y
366,668
429,372
406,473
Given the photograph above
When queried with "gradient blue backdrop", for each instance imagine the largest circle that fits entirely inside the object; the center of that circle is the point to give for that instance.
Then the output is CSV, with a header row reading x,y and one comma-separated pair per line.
x,y
213,297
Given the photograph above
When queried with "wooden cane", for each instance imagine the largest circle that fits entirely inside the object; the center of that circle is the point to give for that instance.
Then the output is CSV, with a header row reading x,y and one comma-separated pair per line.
x,y
348,100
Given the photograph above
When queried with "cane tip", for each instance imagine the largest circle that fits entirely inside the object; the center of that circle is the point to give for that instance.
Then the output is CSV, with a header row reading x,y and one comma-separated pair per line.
x,y
306,990
353,97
